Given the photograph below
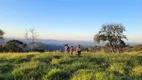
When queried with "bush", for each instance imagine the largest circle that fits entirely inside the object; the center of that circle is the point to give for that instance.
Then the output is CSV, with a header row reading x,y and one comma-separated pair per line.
x,y
13,46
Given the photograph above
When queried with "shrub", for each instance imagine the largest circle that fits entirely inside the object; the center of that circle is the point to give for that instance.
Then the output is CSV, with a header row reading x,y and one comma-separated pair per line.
x,y
14,46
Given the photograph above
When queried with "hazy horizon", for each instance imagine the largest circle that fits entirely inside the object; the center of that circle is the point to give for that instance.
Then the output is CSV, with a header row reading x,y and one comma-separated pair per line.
x,y
69,19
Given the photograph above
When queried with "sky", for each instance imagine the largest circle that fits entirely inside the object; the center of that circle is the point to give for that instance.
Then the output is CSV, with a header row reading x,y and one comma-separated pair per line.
x,y
69,19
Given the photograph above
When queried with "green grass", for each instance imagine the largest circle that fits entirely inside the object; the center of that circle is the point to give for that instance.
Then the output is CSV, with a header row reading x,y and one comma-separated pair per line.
x,y
59,66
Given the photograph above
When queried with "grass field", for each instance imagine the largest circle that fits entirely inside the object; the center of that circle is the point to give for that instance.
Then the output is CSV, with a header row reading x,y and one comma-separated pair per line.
x,y
58,66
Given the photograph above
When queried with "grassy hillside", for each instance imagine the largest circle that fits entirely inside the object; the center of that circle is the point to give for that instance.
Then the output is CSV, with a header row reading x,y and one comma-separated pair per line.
x,y
58,66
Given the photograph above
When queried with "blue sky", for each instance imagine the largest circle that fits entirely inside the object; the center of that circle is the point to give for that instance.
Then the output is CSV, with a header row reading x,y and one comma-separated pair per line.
x,y
69,19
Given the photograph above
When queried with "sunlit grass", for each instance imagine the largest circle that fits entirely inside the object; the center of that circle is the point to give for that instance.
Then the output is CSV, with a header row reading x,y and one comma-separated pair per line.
x,y
61,66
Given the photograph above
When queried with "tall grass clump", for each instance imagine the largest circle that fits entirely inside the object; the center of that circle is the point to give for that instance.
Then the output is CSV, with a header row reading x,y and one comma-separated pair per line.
x,y
137,71
83,75
5,68
57,74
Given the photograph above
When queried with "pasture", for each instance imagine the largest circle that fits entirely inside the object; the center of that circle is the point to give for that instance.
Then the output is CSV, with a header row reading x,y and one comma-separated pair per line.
x,y
60,66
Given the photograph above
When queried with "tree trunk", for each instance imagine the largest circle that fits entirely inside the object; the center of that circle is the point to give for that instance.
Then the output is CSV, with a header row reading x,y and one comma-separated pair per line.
x,y
112,48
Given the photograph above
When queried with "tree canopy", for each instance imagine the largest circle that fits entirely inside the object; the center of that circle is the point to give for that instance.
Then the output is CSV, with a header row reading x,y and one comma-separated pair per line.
x,y
1,34
112,34
13,46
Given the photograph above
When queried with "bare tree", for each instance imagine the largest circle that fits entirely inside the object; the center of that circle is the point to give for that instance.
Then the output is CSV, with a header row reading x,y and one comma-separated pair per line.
x,y
31,37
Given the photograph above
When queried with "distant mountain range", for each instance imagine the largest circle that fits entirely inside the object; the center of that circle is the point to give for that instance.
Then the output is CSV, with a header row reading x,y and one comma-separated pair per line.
x,y
52,45
72,43
60,42
69,42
